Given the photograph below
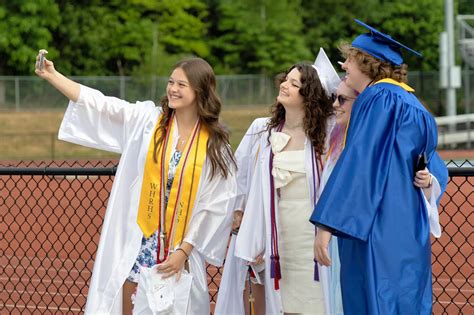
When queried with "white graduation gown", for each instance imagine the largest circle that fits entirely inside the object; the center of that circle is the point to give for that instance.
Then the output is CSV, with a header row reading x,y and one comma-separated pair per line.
x,y
254,236
230,298
232,285
111,124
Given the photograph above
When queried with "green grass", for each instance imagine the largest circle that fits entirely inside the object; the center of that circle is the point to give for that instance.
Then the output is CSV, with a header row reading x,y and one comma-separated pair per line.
x,y
33,135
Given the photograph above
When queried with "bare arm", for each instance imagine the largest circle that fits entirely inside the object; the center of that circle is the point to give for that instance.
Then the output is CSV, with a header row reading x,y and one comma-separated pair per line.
x,y
69,88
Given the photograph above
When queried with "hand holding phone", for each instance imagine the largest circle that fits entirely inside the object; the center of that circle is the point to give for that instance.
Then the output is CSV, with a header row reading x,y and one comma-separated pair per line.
x,y
421,162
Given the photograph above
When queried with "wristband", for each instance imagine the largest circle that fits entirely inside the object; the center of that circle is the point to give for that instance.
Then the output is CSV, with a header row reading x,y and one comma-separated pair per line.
x,y
179,248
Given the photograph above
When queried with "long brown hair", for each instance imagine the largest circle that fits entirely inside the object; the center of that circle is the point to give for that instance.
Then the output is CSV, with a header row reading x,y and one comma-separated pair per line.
x,y
372,67
317,107
203,81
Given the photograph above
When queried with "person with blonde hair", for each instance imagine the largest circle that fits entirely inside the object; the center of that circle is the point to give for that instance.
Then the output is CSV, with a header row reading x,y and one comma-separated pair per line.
x,y
382,218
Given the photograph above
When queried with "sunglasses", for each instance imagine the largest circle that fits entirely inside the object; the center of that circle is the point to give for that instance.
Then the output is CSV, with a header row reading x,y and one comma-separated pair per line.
x,y
341,99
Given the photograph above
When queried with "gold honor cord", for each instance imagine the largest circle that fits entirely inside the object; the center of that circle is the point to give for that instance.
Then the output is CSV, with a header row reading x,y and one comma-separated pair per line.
x,y
183,188
185,184
406,87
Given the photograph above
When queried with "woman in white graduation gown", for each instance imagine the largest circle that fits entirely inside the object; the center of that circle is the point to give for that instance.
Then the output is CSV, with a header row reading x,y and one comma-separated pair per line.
x,y
286,151
187,218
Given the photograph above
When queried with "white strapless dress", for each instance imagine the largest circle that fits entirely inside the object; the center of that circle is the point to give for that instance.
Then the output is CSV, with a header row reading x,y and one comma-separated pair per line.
x,y
299,292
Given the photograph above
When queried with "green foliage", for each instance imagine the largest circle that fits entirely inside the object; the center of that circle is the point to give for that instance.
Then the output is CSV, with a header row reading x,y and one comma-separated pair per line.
x,y
418,25
259,36
141,36
330,22
25,26
96,40
146,37
414,23
465,7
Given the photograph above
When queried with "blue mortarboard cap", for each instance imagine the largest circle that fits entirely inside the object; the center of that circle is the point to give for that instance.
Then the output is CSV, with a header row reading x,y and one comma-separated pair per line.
x,y
380,45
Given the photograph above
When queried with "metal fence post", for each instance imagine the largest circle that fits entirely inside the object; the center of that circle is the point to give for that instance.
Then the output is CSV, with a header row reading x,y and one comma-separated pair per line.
x,y
17,94
53,140
122,87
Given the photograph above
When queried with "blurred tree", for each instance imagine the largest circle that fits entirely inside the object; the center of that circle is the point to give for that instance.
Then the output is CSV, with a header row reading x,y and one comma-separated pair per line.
x,y
124,38
264,36
414,23
465,7
329,22
101,40
25,26
418,25
93,37
179,30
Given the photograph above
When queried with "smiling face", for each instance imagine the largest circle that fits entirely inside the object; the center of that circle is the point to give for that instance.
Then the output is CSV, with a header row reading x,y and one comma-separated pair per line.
x,y
179,91
289,95
344,99
355,79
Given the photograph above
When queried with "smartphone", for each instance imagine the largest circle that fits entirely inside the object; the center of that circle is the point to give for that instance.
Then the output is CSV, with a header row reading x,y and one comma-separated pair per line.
x,y
42,52
420,162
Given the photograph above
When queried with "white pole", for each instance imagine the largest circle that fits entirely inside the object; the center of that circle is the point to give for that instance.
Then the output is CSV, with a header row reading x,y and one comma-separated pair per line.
x,y
450,91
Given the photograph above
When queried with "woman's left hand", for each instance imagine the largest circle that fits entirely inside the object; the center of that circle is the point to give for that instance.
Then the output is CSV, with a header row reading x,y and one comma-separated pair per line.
x,y
321,247
173,265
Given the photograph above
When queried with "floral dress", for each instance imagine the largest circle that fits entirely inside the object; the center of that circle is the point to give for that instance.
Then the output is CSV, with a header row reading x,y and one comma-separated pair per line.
x,y
147,255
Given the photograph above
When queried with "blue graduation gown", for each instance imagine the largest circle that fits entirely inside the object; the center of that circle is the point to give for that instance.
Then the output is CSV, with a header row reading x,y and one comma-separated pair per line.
x,y
373,207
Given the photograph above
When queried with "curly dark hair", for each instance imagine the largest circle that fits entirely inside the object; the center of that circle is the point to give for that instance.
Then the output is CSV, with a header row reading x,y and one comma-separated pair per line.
x,y
317,106
203,81
374,68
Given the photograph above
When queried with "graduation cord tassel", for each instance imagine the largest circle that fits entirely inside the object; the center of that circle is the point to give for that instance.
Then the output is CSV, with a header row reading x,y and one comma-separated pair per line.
x,y
318,167
275,271
316,271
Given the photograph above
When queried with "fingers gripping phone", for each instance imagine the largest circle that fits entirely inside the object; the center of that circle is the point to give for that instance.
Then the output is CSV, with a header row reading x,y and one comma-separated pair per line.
x,y
421,162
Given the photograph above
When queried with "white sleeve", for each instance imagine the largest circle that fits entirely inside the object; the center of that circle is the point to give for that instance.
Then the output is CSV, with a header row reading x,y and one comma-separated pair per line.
x,y
209,228
232,285
251,238
432,208
101,122
246,155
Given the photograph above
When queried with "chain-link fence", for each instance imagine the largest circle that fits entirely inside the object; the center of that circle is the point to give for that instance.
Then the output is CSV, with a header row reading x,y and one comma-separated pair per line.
x,y
22,93
31,93
452,258
51,214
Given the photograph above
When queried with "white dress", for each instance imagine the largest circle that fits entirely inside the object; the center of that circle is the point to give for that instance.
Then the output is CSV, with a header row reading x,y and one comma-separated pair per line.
x,y
299,292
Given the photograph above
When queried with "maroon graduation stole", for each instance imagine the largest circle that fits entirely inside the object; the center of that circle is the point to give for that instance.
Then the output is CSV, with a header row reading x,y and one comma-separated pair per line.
x,y
314,165
275,270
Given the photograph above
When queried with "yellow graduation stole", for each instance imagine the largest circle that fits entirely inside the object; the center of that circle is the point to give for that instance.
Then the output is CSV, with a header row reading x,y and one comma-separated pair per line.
x,y
152,215
405,86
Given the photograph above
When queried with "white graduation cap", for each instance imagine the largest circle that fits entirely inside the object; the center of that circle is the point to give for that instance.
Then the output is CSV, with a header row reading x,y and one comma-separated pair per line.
x,y
326,72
